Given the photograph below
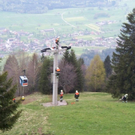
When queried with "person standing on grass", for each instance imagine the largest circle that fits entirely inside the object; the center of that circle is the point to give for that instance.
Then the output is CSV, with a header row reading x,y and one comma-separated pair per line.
x,y
125,98
76,95
61,96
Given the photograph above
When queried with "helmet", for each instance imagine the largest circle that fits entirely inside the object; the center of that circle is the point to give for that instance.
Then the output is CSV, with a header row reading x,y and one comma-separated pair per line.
x,y
76,91
61,90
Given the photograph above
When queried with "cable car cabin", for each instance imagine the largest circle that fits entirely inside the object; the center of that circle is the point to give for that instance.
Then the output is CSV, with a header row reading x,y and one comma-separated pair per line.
x,y
23,80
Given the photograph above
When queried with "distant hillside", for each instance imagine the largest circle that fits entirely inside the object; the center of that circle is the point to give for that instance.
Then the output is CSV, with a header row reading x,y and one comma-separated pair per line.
x,y
42,6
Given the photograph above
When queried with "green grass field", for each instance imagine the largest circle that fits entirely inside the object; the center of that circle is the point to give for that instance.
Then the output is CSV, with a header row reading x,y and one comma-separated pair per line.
x,y
94,114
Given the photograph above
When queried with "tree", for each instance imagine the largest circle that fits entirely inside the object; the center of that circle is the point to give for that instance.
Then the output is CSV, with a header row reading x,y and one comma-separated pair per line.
x,y
8,109
0,65
32,71
123,61
107,66
45,76
95,74
71,58
15,65
67,76
12,67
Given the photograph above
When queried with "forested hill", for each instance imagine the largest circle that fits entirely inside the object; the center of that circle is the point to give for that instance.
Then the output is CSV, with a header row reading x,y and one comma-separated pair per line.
x,y
42,6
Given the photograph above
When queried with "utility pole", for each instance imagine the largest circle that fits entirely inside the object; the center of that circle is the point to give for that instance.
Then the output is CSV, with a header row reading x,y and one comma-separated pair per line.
x,y
55,50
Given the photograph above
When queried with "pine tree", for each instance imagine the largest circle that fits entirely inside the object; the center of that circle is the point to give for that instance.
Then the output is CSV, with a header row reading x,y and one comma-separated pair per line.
x,y
66,56
71,58
123,61
107,66
95,74
8,109
79,85
0,65
45,77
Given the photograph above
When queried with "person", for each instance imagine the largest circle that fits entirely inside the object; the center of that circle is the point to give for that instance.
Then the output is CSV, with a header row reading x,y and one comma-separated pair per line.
x,y
57,41
14,100
77,95
124,98
61,96
23,98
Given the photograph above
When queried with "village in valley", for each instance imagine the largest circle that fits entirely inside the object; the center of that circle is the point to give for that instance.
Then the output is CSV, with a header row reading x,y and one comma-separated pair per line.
x,y
14,42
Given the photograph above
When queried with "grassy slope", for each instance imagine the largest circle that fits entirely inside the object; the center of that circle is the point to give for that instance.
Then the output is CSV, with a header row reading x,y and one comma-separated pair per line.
x,y
94,114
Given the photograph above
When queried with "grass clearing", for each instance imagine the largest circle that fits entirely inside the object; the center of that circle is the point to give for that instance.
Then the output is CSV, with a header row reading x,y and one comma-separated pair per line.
x,y
93,27
81,18
95,114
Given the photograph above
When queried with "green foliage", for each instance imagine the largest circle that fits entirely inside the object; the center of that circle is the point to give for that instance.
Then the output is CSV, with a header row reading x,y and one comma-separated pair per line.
x,y
95,74
45,76
89,54
107,66
8,109
72,59
123,79
0,65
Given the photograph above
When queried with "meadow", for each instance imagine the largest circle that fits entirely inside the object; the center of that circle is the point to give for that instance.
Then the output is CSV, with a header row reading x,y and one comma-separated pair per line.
x,y
95,114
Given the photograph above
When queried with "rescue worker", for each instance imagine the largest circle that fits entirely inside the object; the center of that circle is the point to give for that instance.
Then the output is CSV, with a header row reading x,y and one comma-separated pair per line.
x,y
77,95
61,95
23,98
57,41
14,100
124,98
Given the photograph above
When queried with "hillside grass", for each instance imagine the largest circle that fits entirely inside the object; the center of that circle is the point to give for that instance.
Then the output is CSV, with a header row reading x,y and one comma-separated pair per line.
x,y
94,114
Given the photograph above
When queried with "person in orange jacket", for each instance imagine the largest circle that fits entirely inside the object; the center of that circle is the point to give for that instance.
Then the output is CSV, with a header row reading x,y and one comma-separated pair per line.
x,y
61,96
57,41
14,100
77,95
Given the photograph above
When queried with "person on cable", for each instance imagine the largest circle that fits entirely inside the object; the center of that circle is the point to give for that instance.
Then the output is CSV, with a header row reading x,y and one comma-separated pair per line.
x,y
77,95
61,95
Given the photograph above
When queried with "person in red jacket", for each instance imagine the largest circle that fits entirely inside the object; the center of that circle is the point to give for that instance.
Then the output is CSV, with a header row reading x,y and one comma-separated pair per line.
x,y
77,95
61,96
14,100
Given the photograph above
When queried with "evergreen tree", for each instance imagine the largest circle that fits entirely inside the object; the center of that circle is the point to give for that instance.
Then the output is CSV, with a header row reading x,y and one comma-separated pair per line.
x,y
45,76
8,109
123,61
72,60
107,66
66,56
79,85
95,74
0,65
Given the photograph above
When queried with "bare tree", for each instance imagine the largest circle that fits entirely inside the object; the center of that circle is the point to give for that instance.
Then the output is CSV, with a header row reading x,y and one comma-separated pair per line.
x,y
15,65
67,76
33,70
12,68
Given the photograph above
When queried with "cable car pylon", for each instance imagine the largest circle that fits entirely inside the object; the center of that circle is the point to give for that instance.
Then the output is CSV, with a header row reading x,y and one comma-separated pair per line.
x,y
56,71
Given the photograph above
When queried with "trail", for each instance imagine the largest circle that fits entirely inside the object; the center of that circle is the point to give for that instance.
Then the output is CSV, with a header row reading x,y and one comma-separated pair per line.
x,y
66,21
